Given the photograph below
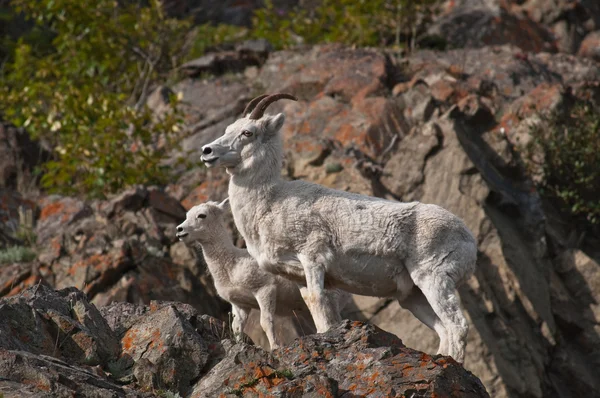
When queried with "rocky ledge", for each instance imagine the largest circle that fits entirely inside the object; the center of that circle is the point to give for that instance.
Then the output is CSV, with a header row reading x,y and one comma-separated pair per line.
x,y
56,343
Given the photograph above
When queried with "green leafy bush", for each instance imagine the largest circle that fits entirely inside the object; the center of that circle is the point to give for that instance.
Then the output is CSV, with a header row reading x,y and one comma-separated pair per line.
x,y
85,94
16,254
80,73
564,156
353,22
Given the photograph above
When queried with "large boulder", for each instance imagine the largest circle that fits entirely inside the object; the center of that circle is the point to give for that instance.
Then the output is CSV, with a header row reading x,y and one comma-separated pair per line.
x,y
353,359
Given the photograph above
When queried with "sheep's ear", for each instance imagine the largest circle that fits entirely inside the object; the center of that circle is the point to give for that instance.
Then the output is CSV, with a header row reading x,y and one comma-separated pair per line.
x,y
274,123
224,205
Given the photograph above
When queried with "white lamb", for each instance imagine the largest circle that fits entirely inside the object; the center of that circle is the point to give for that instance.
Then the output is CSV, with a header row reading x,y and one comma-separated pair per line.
x,y
417,253
237,277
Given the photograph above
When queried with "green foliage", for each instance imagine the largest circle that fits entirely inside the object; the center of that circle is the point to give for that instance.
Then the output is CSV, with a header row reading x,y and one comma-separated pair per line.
x,y
79,74
354,22
85,94
25,231
167,394
564,155
16,254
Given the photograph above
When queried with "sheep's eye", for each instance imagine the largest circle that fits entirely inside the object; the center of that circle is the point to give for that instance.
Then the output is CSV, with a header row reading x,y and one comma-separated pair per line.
x,y
247,133
201,216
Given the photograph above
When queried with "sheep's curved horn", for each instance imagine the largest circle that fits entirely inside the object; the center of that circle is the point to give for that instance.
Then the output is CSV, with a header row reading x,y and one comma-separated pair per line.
x,y
252,104
260,109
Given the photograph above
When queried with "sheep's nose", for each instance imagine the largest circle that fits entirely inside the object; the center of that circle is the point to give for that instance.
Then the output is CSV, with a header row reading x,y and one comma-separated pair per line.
x,y
206,150
180,229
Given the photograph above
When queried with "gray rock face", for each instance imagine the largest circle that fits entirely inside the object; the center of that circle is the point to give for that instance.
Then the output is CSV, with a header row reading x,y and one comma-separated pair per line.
x,y
374,132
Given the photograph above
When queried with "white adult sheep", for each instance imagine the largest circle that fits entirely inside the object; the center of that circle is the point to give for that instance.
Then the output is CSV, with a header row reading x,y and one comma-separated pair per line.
x,y
417,253
238,278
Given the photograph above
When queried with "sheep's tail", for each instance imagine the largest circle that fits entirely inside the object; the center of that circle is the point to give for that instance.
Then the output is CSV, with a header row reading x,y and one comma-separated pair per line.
x,y
465,260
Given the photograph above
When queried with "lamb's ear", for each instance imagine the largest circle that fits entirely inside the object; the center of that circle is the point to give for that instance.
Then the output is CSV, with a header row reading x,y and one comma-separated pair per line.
x,y
274,123
224,205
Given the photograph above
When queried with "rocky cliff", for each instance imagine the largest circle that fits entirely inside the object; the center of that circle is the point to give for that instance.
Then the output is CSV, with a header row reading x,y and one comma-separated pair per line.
x,y
440,127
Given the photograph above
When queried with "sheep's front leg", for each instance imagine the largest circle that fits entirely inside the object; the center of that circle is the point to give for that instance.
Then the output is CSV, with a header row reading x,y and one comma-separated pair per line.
x,y
267,301
319,304
240,316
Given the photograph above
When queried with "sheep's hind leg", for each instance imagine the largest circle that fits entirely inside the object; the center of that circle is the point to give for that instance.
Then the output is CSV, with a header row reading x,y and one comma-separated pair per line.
x,y
240,316
328,307
318,302
418,305
440,291
267,301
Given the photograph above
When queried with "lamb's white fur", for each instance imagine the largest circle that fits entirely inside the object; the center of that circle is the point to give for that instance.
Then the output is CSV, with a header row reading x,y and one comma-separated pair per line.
x,y
415,252
238,278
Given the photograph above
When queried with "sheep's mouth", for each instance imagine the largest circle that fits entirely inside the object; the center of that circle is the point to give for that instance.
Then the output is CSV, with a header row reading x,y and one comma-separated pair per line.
x,y
181,235
209,161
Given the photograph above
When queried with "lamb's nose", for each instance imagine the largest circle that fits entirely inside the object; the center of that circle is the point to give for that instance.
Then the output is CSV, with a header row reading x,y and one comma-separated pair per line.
x,y
206,150
179,229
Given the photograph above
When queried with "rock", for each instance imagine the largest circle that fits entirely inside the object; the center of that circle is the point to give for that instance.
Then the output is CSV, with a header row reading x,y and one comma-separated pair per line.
x,y
156,343
472,24
259,48
113,250
159,101
590,46
153,338
25,374
132,199
169,208
209,106
56,213
121,316
167,346
62,324
353,358
56,342
13,275
342,90
403,173
476,111
569,21
419,104
153,278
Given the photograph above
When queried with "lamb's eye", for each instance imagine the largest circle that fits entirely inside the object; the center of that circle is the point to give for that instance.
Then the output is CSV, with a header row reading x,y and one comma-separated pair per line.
x,y
247,133
201,216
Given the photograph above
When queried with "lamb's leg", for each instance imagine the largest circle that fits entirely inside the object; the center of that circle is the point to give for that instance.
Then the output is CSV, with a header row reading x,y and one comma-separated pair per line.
x,y
416,303
440,291
240,316
267,301
320,305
